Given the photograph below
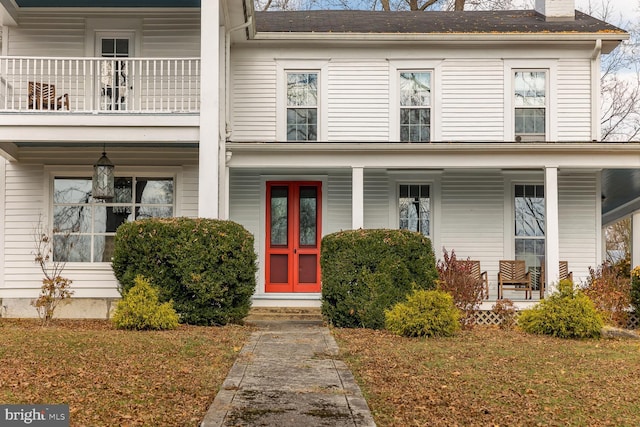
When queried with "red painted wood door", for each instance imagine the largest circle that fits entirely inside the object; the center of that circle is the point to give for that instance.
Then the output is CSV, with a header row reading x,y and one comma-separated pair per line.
x,y
293,236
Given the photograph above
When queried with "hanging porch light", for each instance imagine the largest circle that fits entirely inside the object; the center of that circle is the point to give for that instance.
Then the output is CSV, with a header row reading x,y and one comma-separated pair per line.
x,y
103,179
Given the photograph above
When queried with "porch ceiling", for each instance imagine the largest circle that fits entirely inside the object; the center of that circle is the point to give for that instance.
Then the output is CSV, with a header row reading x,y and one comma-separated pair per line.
x,y
620,193
108,3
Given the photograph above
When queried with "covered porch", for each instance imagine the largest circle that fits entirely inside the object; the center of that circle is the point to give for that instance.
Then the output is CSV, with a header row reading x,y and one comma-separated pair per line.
x,y
473,196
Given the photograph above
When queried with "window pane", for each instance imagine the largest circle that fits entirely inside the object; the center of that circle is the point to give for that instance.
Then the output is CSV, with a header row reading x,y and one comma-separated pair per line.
x,y
302,89
143,212
308,215
72,190
108,218
415,89
72,219
415,124
123,190
103,247
530,88
154,191
302,124
108,47
414,208
279,215
72,248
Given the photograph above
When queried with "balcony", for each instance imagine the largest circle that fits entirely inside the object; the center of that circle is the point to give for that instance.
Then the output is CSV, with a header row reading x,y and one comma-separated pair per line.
x,y
100,85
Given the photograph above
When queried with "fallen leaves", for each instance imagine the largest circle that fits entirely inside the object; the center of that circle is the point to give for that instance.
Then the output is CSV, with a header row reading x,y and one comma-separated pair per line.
x,y
488,376
110,377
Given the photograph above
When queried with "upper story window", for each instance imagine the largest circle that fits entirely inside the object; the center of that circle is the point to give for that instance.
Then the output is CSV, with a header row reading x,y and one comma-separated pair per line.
x,y
414,206
84,228
415,106
302,106
530,102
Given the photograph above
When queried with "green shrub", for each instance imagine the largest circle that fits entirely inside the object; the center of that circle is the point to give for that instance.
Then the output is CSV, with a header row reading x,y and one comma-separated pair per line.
x,y
365,272
207,267
424,314
140,309
567,313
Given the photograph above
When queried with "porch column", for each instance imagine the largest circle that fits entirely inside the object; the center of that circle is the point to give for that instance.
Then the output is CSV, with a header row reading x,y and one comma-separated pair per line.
x,y
208,161
357,198
552,230
635,239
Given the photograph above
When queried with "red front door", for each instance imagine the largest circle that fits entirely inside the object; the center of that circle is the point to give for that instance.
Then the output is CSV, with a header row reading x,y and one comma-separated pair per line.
x,y
293,236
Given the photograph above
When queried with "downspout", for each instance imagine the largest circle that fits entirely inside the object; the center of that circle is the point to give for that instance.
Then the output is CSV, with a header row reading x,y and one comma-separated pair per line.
x,y
595,91
227,78
226,157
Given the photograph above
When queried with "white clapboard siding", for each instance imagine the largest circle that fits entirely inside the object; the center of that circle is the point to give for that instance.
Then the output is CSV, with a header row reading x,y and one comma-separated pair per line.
x,y
338,196
578,222
245,196
472,103
472,217
172,36
253,89
358,101
574,100
25,207
188,194
44,35
175,35
376,200
24,196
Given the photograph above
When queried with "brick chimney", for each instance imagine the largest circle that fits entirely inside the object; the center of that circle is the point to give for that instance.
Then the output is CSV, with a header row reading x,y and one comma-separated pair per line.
x,y
556,10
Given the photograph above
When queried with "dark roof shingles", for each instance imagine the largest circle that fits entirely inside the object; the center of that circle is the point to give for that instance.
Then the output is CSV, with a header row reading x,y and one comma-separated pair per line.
x,y
352,21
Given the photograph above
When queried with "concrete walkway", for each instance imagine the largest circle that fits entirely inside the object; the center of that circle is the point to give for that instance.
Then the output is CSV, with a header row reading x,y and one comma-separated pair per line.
x,y
288,375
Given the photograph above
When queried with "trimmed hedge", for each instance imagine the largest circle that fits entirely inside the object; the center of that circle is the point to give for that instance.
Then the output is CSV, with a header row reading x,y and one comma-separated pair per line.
x,y
206,266
365,272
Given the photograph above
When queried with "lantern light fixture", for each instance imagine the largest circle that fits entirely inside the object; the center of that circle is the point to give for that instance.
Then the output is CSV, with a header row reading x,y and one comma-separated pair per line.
x,y
103,187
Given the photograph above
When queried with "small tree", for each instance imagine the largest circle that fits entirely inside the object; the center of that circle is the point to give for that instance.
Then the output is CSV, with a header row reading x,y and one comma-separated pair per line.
x,y
610,291
55,288
457,279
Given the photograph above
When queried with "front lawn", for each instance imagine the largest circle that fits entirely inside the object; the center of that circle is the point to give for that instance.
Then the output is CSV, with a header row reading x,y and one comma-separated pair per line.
x,y
117,378
490,377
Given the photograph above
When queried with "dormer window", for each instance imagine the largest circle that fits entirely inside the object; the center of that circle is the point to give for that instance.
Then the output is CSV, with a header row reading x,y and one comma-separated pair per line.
x,y
302,106
530,102
415,106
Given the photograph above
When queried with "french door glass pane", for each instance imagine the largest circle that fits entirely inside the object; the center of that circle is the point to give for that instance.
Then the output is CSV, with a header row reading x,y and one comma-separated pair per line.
x,y
308,216
279,216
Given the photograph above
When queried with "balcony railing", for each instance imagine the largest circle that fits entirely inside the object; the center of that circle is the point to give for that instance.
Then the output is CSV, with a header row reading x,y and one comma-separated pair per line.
x,y
113,85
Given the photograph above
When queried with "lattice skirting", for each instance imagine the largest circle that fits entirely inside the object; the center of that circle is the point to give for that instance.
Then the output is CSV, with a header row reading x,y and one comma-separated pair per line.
x,y
489,318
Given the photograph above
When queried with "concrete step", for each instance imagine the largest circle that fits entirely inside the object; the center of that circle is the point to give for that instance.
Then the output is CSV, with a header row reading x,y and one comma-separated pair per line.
x,y
258,314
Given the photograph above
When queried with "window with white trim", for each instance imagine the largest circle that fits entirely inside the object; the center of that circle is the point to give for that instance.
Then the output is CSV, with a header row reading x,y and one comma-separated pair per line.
x,y
302,106
529,227
84,228
414,208
415,106
530,103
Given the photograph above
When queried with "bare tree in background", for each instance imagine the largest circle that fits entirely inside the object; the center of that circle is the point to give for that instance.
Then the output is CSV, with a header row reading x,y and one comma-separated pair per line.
x,y
384,5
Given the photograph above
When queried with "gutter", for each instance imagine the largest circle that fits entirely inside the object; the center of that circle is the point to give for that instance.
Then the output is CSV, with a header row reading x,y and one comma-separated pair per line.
x,y
444,37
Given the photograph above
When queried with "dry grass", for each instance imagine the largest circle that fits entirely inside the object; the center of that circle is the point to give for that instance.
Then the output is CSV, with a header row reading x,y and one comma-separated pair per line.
x,y
490,377
110,377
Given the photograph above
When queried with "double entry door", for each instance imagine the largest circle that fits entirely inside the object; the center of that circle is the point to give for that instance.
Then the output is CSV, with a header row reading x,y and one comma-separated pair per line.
x,y
293,236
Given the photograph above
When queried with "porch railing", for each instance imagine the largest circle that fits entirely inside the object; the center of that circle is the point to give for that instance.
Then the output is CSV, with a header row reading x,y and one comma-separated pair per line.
x,y
114,85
